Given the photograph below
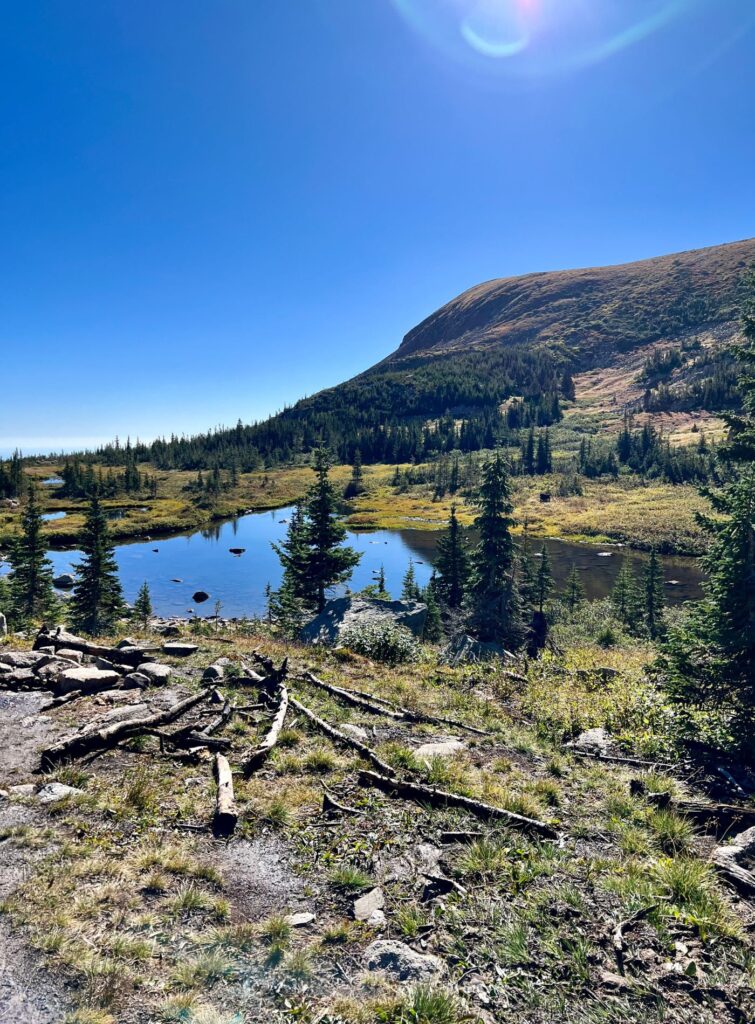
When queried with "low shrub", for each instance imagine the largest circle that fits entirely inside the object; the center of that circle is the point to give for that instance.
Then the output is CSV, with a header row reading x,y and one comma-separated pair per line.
x,y
382,641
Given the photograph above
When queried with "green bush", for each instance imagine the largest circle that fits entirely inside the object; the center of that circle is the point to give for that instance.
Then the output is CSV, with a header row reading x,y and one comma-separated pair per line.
x,y
382,640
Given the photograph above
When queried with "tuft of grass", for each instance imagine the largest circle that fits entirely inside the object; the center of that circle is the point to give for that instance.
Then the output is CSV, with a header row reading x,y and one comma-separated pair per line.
x,y
400,757
513,946
277,813
89,1015
673,831
337,934
410,921
349,878
276,931
205,971
242,937
188,900
288,738
319,761
429,1005
485,858
299,964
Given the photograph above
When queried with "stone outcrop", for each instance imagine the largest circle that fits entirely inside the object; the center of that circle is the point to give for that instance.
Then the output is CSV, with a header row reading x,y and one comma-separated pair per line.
x,y
345,612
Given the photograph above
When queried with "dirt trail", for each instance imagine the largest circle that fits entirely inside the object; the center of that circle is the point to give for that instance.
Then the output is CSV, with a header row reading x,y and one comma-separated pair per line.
x,y
28,994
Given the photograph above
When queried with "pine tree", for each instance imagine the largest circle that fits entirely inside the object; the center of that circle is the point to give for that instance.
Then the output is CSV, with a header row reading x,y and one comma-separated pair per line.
x,y
452,564
292,553
543,579
544,459
527,574
355,486
97,597
567,386
575,592
494,606
433,623
409,588
625,598
381,581
653,595
328,562
30,582
142,610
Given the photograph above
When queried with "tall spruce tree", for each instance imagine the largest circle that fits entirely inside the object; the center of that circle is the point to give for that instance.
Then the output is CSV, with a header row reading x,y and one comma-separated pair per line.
x,y
313,556
433,623
31,595
710,657
97,600
544,579
575,591
495,612
409,589
452,564
625,598
654,597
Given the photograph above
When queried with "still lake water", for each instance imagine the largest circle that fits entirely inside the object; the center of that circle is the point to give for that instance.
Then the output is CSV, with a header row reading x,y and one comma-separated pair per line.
x,y
202,561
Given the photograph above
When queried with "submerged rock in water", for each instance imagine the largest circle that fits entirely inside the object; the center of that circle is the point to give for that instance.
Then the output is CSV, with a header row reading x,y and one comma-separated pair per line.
x,y
200,596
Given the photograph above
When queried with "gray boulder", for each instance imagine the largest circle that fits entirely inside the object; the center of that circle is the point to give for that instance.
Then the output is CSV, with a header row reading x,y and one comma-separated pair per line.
x,y
344,612
401,961
55,791
155,672
466,649
136,680
439,748
179,649
86,679
592,741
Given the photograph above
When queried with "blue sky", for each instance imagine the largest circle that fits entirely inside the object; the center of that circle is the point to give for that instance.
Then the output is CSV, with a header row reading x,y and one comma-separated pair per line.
x,y
212,207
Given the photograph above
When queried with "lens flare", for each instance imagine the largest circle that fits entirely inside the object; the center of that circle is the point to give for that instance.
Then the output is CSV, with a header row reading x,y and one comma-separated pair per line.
x,y
539,37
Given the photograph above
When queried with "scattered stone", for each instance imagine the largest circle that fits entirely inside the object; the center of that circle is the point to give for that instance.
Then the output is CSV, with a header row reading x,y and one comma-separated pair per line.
x,y
237,551
70,655
127,642
300,920
592,741
64,582
180,650
214,673
86,679
356,731
344,612
55,791
366,905
401,961
156,672
200,596
136,680
27,789
21,659
441,748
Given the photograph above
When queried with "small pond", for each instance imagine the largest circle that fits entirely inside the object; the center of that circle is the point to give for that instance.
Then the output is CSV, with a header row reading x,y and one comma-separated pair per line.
x,y
177,566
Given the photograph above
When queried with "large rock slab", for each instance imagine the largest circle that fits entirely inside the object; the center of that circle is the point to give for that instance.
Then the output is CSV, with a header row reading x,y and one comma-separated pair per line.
x,y
155,672
179,649
401,961
86,679
345,612
439,748
55,791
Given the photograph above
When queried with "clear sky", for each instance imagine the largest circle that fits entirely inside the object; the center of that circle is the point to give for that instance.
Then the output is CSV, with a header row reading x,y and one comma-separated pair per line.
x,y
210,208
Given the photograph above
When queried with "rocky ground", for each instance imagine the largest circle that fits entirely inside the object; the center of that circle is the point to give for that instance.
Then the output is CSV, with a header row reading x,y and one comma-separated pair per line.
x,y
587,891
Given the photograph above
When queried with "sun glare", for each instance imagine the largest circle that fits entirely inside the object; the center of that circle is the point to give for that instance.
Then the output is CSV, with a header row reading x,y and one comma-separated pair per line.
x,y
539,37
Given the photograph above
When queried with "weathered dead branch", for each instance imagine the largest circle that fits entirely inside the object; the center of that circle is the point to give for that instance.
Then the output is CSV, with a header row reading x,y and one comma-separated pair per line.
x,y
258,755
339,737
226,814
433,797
59,638
96,739
379,706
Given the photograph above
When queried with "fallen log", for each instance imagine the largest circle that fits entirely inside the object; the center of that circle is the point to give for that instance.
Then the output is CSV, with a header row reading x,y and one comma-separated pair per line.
x,y
96,739
339,737
634,762
58,702
422,794
331,806
226,814
380,706
727,862
60,638
189,738
726,815
258,755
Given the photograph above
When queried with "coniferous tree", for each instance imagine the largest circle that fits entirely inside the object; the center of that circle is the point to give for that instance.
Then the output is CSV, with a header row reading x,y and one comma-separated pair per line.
x,y
30,582
654,597
625,598
575,591
433,623
142,610
326,561
494,606
452,564
711,657
292,553
544,579
97,598
527,574
409,588
355,486
381,580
